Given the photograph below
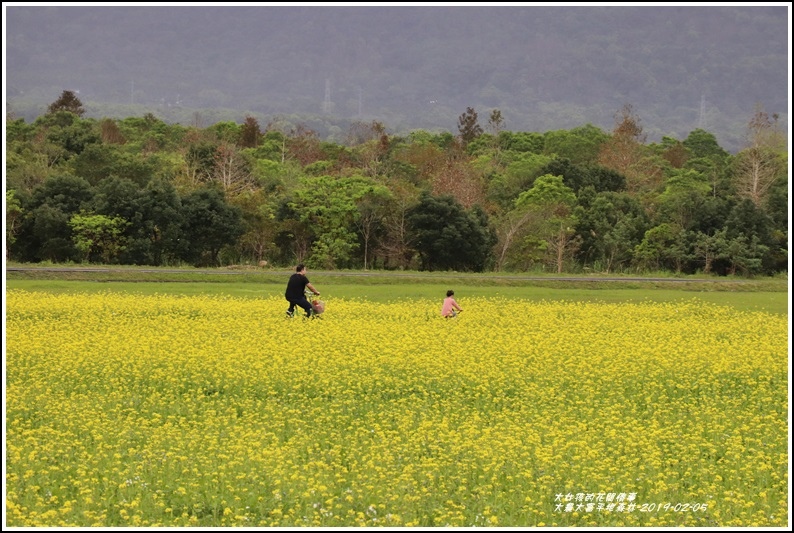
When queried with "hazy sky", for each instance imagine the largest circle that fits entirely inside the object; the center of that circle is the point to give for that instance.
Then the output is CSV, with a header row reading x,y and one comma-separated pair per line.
x,y
411,67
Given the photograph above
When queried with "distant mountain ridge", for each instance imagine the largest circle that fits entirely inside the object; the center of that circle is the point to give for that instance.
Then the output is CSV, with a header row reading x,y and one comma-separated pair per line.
x,y
545,68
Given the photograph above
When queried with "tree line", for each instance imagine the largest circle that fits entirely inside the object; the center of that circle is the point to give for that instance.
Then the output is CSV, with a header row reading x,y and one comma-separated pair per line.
x,y
143,192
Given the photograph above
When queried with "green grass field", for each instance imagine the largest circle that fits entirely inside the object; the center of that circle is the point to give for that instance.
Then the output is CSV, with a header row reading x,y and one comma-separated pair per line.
x,y
770,295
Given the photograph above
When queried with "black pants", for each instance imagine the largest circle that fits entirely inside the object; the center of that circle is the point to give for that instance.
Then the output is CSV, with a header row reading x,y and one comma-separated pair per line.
x,y
303,303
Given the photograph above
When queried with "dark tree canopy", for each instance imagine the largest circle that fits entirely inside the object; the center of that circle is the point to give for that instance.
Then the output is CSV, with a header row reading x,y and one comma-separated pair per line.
x,y
68,101
449,237
209,224
468,127
250,133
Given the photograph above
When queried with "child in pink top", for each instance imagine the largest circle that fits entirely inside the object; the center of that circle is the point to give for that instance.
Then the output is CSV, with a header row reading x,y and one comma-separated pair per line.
x,y
450,308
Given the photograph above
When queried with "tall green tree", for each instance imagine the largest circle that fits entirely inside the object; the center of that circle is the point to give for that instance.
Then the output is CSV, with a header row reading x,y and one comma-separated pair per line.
x,y
746,255
51,236
68,132
45,233
777,208
162,224
685,193
295,234
210,223
153,215
714,172
550,196
68,193
750,230
579,145
657,247
98,234
101,161
331,206
226,131
447,237
610,225
261,226
522,141
661,247
710,248
518,176
702,143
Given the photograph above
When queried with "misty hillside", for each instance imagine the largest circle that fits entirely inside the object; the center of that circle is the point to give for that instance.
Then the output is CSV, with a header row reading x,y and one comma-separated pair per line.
x,y
545,68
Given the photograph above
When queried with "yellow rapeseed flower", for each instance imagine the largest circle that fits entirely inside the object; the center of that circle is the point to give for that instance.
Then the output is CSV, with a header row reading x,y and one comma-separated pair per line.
x,y
208,411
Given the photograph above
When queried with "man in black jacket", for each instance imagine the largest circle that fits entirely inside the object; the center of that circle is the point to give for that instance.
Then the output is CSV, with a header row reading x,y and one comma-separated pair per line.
x,y
296,288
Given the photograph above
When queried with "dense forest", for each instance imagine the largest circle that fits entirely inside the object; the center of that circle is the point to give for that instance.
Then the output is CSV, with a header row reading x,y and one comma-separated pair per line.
x,y
410,67
141,191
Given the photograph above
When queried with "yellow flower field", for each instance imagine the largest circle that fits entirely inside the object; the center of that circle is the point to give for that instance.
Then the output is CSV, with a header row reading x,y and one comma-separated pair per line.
x,y
171,411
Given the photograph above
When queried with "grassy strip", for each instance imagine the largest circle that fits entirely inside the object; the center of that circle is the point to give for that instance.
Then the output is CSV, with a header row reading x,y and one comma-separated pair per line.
x,y
242,275
768,295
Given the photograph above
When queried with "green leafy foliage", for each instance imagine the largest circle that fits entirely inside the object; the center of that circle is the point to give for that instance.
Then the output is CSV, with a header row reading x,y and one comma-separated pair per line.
x,y
448,237
514,201
209,223
98,234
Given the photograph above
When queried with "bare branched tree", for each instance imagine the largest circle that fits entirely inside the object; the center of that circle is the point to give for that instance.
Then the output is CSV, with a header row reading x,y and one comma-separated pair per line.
x,y
758,166
231,170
